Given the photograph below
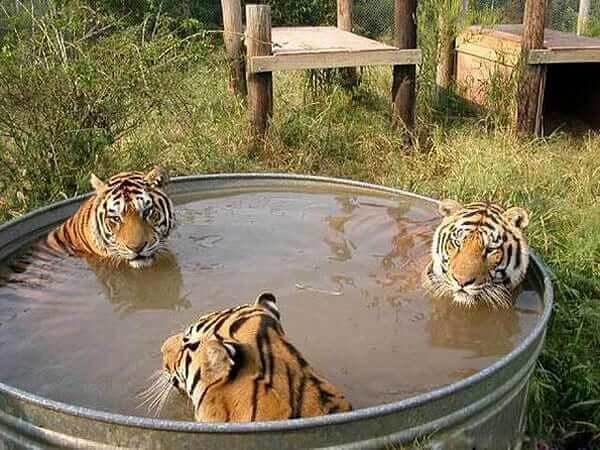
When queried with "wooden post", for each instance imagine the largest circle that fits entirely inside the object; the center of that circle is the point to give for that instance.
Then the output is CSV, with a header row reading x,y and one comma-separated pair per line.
x,y
232,25
583,16
445,50
260,85
403,86
530,78
344,22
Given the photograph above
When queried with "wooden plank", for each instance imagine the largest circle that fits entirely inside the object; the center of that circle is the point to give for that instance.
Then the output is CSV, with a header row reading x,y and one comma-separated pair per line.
x,y
332,59
232,25
508,58
260,85
310,39
539,116
474,77
489,40
567,56
553,39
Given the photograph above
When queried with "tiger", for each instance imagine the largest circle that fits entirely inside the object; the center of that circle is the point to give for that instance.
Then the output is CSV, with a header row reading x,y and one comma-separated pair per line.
x,y
479,254
125,221
237,365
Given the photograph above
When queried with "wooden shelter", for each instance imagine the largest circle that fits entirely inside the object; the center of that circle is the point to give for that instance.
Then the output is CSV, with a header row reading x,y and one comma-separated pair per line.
x,y
569,92
294,48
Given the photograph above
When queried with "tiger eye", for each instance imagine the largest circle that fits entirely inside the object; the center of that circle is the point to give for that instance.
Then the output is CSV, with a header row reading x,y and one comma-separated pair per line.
x,y
114,221
451,249
495,256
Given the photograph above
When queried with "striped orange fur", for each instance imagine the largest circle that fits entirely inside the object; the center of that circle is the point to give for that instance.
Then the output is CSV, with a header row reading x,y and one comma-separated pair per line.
x,y
126,220
237,365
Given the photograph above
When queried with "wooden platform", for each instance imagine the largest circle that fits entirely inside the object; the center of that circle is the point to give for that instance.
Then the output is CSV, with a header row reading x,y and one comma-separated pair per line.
x,y
569,92
559,47
298,48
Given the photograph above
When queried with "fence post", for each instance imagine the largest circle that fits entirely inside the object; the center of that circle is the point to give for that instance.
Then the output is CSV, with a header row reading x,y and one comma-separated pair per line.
x,y
232,25
583,16
445,50
529,89
403,86
344,22
260,85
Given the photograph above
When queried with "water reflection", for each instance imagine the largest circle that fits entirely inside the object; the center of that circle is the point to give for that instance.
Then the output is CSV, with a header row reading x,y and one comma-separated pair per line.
x,y
481,330
408,254
159,286
340,246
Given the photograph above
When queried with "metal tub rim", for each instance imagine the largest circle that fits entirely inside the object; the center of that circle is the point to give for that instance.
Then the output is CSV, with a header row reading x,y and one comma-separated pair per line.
x,y
288,424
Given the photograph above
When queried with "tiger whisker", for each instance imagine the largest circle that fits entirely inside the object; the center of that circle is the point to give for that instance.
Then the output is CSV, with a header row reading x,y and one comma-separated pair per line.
x,y
156,400
159,402
156,387
162,402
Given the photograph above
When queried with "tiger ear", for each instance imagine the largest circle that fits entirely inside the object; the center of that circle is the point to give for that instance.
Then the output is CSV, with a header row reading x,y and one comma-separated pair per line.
x,y
218,359
517,217
448,207
98,185
268,301
157,177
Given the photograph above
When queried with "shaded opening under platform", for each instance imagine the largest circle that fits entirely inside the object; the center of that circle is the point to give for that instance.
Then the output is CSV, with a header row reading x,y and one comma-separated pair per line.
x,y
571,98
296,48
570,92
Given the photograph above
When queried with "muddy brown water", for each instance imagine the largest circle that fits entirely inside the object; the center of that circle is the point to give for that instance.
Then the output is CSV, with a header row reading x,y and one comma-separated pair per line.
x,y
344,266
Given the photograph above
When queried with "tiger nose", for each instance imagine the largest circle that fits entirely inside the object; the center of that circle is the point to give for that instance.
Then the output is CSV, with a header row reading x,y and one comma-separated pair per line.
x,y
138,247
464,281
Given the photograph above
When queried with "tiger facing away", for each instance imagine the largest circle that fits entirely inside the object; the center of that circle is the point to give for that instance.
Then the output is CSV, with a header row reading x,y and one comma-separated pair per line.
x,y
236,365
126,220
479,254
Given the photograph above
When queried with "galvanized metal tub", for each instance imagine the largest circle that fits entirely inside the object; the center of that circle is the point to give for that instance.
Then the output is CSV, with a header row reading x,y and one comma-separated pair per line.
x,y
484,411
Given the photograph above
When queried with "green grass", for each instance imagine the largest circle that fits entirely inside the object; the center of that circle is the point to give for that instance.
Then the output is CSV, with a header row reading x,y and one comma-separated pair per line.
x,y
195,126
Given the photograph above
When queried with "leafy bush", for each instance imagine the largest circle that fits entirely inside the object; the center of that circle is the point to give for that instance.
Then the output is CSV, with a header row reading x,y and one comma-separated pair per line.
x,y
208,12
70,86
303,12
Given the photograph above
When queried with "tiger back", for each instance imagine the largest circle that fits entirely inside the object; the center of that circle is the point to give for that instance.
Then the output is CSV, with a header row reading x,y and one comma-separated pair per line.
x,y
126,220
236,365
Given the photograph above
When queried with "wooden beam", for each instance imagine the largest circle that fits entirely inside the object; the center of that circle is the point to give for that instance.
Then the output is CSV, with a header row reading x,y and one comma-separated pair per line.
x,y
505,58
260,85
344,15
232,25
530,76
583,16
539,115
344,22
560,56
403,85
445,49
329,59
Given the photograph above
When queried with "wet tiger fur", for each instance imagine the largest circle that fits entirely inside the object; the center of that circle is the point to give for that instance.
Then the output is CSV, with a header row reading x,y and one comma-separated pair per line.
x,y
479,253
236,365
126,220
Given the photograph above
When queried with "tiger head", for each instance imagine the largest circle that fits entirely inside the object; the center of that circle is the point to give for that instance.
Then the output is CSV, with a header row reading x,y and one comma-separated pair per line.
x,y
133,216
479,253
236,365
